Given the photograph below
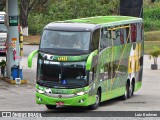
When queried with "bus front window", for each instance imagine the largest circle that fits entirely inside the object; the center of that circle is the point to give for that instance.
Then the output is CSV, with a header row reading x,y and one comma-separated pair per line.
x,y
65,40
62,74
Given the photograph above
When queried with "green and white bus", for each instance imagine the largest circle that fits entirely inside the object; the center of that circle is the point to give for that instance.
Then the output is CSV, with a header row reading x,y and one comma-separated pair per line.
x,y
83,62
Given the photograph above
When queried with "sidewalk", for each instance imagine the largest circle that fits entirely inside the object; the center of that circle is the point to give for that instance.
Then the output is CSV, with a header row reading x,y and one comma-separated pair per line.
x,y
29,74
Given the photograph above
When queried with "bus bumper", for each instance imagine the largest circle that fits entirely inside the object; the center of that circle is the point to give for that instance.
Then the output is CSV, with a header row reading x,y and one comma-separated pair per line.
x,y
83,100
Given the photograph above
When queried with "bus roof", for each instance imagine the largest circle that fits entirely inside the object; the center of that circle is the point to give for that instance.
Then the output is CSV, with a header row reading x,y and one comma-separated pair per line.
x,y
70,26
92,22
105,19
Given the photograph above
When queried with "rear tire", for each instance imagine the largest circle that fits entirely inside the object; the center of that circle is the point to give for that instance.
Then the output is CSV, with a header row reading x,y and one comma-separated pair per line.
x,y
133,88
129,91
51,106
96,105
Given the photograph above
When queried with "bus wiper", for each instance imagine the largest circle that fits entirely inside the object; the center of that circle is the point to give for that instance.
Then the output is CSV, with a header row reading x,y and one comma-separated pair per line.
x,y
73,85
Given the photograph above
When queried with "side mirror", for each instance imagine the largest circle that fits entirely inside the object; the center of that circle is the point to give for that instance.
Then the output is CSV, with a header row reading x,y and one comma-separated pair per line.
x,y
30,58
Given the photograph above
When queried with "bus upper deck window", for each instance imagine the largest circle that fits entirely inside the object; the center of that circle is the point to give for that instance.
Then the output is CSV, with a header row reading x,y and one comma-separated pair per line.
x,y
133,32
95,39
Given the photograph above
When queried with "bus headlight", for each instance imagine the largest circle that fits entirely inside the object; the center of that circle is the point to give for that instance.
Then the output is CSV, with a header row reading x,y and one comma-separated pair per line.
x,y
40,91
85,92
80,93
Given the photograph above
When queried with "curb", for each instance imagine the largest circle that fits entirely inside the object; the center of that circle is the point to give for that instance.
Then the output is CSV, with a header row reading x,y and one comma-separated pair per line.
x,y
13,81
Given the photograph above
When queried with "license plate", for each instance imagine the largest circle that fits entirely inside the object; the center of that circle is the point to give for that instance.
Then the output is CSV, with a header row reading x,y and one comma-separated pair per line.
x,y
59,103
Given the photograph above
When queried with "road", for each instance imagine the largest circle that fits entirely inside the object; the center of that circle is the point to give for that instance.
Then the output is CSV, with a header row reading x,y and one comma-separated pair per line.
x,y
29,48
22,97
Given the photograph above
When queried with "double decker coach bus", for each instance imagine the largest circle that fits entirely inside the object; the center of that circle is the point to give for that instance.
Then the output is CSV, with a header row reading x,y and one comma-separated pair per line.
x,y
83,62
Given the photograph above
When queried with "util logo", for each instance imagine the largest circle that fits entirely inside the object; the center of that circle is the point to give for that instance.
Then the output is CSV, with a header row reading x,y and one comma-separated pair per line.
x,y
62,59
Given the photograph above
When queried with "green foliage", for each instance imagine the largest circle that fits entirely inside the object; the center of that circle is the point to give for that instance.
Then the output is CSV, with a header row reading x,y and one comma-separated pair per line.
x,y
2,63
70,9
58,10
152,16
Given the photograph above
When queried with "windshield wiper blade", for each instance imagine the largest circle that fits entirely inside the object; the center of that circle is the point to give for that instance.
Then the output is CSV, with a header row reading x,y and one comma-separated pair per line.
x,y
73,85
51,83
46,83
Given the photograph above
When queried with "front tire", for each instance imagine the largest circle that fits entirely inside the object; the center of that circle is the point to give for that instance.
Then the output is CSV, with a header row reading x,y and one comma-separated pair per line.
x,y
128,92
124,97
96,105
51,106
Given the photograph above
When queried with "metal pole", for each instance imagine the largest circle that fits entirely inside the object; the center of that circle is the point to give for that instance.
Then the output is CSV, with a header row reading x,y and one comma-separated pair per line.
x,y
12,35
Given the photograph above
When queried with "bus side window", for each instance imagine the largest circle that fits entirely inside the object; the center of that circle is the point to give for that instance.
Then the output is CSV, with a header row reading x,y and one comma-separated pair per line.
x,y
109,36
142,33
128,35
117,36
92,74
133,31
139,32
103,40
95,40
113,34
123,36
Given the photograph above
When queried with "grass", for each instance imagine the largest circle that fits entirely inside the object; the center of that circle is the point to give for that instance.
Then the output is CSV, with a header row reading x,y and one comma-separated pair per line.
x,y
151,39
148,46
152,36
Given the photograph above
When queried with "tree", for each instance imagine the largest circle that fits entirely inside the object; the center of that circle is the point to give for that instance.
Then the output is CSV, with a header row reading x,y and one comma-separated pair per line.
x,y
2,5
26,6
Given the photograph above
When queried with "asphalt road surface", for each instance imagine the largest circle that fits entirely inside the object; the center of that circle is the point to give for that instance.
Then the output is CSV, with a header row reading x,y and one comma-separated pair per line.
x,y
29,48
22,97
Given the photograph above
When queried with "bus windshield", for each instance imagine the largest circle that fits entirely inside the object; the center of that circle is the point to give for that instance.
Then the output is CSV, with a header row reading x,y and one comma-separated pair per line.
x,y
68,40
3,28
62,74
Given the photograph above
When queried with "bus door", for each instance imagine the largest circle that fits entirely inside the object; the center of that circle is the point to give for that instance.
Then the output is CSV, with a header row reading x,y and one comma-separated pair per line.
x,y
94,47
105,59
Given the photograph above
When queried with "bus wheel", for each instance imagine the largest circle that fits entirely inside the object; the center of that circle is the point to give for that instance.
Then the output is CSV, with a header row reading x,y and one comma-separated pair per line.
x,y
96,105
132,88
124,97
51,106
129,91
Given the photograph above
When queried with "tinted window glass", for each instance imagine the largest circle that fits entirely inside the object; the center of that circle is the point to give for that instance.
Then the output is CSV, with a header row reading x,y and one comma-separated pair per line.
x,y
65,40
95,39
